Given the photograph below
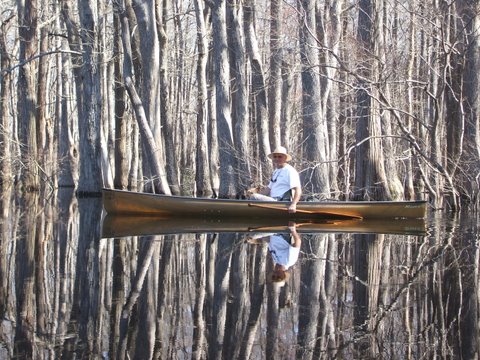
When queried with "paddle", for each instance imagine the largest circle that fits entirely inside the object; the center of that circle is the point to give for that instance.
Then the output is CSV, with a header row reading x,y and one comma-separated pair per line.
x,y
317,212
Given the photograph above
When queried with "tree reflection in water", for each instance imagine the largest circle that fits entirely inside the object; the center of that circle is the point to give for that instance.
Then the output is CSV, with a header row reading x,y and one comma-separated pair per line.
x,y
65,292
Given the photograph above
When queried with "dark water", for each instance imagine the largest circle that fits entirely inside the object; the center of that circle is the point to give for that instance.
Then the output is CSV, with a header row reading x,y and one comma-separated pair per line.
x,y
67,292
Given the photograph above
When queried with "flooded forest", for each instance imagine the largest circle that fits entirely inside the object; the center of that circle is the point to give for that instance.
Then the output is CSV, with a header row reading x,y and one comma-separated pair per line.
x,y
374,100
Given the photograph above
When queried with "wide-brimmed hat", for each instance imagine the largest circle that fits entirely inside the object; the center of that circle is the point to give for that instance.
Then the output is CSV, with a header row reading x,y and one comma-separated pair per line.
x,y
280,150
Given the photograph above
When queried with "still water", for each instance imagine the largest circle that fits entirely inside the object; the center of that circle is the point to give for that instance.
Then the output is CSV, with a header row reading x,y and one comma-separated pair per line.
x,y
67,291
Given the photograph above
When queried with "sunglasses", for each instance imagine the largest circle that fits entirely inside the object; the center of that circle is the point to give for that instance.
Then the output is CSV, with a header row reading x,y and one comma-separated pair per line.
x,y
278,156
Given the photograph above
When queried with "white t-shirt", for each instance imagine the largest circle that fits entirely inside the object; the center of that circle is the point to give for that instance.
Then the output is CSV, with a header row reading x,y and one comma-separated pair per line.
x,y
282,252
283,180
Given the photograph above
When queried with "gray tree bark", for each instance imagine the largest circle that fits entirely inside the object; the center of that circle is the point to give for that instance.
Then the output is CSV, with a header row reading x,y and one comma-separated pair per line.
x,y
222,95
275,80
26,93
121,119
259,92
90,180
315,178
171,161
152,154
202,172
239,84
6,123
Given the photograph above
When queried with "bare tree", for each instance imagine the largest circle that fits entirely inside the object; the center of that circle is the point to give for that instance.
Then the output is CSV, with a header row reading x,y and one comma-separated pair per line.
x,y
6,125
239,81
152,151
222,94
315,178
202,173
27,11
259,92
275,80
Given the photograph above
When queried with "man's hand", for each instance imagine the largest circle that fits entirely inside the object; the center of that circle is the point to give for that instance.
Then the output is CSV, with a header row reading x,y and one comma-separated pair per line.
x,y
292,208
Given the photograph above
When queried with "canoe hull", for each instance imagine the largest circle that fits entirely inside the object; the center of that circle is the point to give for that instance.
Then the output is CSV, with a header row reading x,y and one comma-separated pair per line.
x,y
120,202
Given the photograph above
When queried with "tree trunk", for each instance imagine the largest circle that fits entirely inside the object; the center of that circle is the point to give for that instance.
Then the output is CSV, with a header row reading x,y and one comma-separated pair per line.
x,y
165,113
330,31
469,11
222,98
6,123
202,172
239,92
41,114
259,92
275,80
151,154
315,178
26,93
90,180
370,177
121,119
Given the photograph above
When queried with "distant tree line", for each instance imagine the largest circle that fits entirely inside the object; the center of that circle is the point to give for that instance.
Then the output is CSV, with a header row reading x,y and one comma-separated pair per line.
x,y
375,100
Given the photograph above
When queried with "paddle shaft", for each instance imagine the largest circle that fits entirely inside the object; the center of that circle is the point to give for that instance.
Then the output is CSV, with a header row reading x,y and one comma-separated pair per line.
x,y
319,212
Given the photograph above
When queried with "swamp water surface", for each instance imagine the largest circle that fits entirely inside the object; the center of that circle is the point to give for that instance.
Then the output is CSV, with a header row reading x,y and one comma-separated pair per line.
x,y
66,291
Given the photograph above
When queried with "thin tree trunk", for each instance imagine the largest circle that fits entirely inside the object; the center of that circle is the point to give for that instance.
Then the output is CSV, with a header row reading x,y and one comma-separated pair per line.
x,y
41,115
259,92
330,32
26,299
199,326
275,80
6,123
409,188
165,113
26,103
121,120
202,173
239,92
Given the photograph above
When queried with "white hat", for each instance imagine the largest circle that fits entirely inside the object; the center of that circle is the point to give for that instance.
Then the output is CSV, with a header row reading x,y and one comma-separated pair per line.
x,y
280,150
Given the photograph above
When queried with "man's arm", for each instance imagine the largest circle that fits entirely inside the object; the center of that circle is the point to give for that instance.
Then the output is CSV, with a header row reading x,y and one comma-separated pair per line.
x,y
297,193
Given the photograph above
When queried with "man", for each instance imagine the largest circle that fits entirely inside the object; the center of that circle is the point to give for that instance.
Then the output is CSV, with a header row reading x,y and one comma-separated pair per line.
x,y
284,184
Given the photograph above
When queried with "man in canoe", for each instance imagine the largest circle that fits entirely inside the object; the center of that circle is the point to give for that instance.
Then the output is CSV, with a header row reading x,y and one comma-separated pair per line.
x,y
284,184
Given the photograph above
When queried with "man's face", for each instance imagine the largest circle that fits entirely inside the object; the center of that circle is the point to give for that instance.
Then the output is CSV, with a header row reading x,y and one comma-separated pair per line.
x,y
279,159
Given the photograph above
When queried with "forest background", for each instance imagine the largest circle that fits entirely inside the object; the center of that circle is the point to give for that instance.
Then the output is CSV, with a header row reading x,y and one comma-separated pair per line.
x,y
374,99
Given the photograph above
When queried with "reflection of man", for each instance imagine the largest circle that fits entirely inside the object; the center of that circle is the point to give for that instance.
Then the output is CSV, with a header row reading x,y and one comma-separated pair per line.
x,y
284,253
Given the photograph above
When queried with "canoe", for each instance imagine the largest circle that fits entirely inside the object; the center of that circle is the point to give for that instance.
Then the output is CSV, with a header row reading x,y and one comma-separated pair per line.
x,y
116,226
121,202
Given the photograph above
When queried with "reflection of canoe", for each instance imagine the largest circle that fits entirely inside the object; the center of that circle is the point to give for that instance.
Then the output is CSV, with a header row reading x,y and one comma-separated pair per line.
x,y
119,226
132,203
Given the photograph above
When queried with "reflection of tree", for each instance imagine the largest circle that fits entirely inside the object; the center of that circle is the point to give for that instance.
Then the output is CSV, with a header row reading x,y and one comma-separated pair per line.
x,y
316,315
26,300
87,303
7,271
65,292
220,295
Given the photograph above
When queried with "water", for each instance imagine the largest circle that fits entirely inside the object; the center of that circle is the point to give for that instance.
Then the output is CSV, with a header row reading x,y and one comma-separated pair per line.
x,y
67,292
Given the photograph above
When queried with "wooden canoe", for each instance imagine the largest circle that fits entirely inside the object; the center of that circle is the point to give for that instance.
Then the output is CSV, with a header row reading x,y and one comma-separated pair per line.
x,y
132,203
115,226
